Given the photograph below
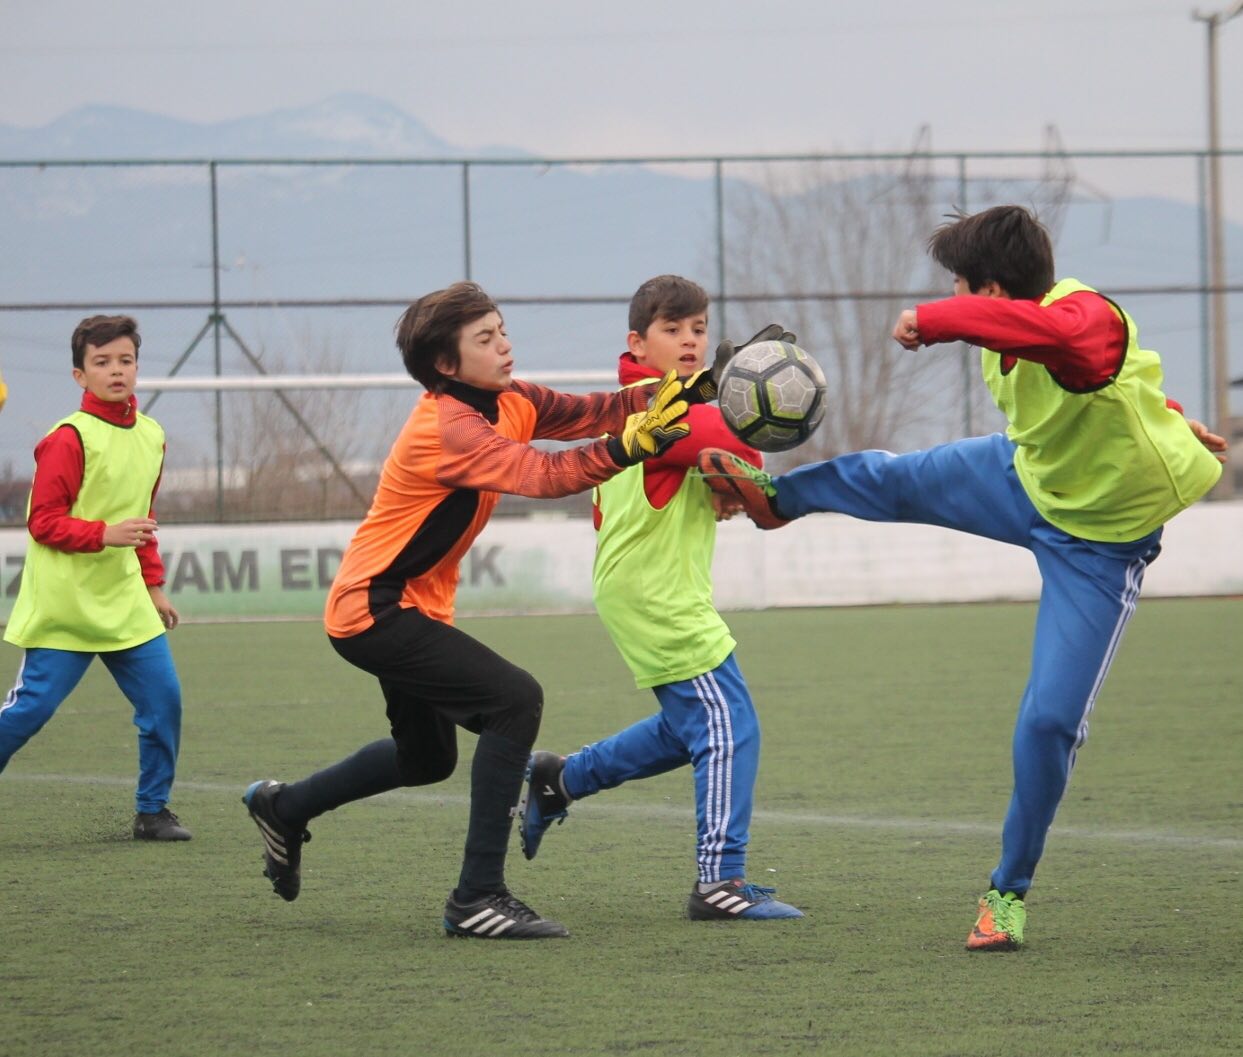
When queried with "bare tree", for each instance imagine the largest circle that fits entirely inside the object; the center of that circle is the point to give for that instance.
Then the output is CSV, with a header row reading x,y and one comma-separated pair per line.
x,y
310,453
829,251
835,250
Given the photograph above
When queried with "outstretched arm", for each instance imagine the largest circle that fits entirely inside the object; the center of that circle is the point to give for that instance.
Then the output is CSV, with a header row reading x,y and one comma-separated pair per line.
x,y
474,455
579,416
1080,338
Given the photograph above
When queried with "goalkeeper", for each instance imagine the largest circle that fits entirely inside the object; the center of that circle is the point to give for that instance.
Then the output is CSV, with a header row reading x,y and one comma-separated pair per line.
x,y
653,590
390,608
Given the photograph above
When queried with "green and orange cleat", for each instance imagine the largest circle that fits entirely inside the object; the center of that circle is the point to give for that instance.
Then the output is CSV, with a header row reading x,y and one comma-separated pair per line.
x,y
738,480
1000,924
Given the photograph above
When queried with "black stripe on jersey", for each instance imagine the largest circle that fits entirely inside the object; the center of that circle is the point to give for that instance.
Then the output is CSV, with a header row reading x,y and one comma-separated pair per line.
x,y
440,530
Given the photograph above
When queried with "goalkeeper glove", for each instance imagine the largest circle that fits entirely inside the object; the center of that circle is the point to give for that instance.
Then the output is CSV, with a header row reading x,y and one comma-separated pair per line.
x,y
650,432
704,385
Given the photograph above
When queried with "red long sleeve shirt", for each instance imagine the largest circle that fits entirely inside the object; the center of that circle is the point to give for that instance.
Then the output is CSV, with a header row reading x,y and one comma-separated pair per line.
x,y
1079,338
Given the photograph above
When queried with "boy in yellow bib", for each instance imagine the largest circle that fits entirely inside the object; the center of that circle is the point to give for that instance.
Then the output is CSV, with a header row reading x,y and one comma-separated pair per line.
x,y
91,584
656,527
1094,462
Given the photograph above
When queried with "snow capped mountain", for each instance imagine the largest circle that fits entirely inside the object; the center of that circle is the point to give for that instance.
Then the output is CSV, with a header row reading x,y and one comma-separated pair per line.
x,y
347,125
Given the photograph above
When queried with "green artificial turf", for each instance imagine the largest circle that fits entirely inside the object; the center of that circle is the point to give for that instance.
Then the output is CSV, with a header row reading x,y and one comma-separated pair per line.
x,y
885,775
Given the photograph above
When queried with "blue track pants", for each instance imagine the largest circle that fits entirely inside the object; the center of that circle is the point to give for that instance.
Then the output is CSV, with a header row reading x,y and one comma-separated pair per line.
x,y
708,722
146,677
1089,591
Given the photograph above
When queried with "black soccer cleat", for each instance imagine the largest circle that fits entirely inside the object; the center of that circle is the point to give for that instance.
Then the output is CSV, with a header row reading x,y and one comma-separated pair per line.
x,y
544,802
282,843
499,916
162,825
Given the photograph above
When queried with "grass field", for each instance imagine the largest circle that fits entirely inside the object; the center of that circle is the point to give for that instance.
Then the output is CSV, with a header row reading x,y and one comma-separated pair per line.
x,y
885,775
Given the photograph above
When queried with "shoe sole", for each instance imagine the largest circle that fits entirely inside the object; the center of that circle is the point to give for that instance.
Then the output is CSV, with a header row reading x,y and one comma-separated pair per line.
x,y
1006,944
724,905
454,934
529,848
742,917
485,920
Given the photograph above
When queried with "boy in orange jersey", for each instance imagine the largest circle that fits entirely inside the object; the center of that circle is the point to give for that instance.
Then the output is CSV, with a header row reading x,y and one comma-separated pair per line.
x,y
390,608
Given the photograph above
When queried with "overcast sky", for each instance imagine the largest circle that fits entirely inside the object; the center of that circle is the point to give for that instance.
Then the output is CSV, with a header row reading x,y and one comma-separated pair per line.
x,y
576,77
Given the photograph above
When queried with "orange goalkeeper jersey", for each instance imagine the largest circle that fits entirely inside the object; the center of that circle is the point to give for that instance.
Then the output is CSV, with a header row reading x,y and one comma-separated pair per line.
x,y
458,451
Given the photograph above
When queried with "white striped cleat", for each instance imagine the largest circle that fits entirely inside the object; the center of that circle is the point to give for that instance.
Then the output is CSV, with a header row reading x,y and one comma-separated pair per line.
x,y
499,916
282,843
735,899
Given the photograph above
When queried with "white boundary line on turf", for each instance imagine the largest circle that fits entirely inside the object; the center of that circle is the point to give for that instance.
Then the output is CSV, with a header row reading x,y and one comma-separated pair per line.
x,y
804,818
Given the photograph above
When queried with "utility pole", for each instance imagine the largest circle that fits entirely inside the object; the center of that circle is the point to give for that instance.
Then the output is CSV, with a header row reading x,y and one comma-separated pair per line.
x,y
1217,243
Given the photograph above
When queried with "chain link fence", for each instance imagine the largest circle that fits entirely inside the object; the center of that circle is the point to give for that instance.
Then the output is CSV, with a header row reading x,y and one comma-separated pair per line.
x,y
295,267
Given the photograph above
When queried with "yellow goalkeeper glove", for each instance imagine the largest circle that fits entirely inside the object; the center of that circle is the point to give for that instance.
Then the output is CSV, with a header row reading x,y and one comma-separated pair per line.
x,y
703,386
650,432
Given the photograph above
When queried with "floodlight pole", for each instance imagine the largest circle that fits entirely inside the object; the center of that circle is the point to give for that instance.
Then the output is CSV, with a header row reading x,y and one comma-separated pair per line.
x,y
1217,242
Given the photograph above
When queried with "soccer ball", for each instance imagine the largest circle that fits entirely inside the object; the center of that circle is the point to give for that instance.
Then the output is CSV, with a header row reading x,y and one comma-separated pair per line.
x,y
772,395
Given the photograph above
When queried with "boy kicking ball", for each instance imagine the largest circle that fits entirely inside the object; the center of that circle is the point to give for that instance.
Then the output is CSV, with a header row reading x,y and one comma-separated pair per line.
x,y
1093,463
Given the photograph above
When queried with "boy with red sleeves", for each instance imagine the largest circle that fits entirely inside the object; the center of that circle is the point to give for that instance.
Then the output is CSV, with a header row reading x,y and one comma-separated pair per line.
x,y
91,583
1094,461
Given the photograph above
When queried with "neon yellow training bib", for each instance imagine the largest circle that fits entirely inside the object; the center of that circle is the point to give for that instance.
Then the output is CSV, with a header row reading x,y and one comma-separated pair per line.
x,y
1111,465
95,602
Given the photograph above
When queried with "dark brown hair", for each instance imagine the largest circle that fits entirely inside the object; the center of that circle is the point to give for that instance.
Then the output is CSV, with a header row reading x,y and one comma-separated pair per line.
x,y
666,297
1005,244
429,331
99,330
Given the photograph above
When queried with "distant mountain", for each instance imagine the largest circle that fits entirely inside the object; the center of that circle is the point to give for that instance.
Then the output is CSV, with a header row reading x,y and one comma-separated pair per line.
x,y
325,231
349,125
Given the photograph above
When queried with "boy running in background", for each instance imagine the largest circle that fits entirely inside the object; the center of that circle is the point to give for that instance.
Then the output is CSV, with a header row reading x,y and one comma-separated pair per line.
x,y
1093,463
390,607
653,590
91,583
